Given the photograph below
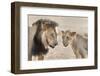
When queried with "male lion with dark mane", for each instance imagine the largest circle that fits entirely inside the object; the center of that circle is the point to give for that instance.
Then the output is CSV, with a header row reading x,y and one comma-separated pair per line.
x,y
45,36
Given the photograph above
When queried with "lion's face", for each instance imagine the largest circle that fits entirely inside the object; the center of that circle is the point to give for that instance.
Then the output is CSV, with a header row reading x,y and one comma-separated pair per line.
x,y
67,37
51,37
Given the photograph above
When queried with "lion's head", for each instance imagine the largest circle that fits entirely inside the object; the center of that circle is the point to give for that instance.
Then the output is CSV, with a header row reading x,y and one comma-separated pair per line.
x,y
46,34
67,37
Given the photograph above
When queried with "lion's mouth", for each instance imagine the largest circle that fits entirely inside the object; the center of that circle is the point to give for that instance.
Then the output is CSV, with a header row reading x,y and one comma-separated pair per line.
x,y
52,46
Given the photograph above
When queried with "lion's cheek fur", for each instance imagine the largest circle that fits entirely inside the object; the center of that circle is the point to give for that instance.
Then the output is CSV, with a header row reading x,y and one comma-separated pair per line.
x,y
44,40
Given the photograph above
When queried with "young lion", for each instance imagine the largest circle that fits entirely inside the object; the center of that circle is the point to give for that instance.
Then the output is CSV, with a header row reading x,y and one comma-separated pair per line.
x,y
78,43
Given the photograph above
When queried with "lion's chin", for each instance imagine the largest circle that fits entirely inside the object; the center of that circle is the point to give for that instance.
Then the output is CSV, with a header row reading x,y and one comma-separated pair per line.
x,y
65,45
46,49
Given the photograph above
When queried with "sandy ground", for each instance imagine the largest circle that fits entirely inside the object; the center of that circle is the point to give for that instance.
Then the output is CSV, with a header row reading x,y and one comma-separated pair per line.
x,y
77,24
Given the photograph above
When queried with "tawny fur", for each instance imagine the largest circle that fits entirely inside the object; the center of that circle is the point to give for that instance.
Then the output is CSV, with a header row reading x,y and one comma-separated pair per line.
x,y
78,43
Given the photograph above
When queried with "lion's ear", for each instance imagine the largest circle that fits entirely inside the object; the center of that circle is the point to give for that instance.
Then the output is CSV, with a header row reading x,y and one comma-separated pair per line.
x,y
73,33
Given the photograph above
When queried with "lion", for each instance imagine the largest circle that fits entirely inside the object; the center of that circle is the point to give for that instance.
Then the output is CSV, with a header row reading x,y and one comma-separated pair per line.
x,y
78,43
44,37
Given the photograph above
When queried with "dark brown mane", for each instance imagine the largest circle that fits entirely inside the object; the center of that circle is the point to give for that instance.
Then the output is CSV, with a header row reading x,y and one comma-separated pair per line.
x,y
49,23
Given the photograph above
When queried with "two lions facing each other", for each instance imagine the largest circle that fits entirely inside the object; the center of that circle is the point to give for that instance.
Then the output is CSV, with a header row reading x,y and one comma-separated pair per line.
x,y
46,35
